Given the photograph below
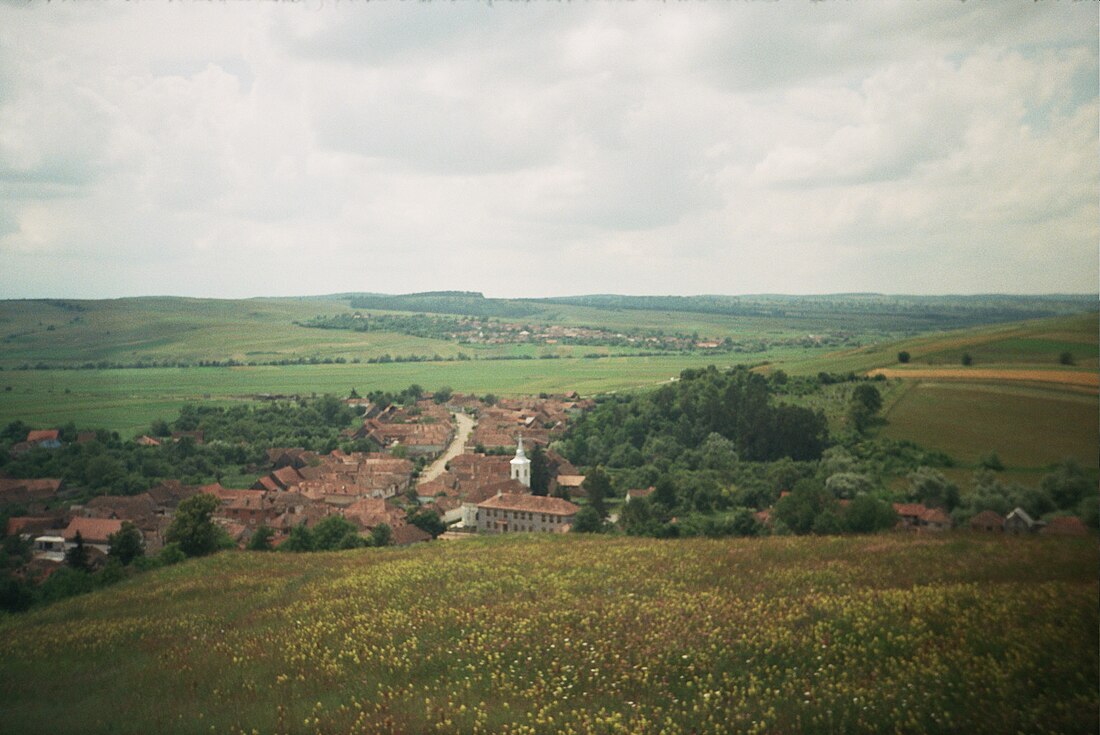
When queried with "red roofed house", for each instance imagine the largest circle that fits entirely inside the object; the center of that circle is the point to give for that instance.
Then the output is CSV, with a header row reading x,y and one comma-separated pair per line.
x,y
45,438
509,513
1065,526
574,484
987,520
934,519
93,531
637,493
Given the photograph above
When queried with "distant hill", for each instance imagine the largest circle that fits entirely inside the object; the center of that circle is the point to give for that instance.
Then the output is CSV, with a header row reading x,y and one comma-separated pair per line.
x,y
932,312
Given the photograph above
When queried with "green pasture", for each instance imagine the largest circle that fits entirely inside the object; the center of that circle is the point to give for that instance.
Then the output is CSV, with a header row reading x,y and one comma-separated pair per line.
x,y
1028,426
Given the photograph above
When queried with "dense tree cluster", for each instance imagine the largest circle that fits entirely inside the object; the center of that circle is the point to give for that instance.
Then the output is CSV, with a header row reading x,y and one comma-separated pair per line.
x,y
663,426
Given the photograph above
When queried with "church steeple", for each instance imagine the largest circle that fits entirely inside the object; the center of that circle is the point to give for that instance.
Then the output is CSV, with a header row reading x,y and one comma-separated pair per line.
x,y
520,465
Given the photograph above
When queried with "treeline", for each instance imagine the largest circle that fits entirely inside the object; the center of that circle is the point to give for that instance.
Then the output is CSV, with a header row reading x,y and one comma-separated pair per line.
x,y
445,302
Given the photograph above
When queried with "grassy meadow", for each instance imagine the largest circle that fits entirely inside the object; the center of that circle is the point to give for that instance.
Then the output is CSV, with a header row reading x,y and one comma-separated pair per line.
x,y
959,633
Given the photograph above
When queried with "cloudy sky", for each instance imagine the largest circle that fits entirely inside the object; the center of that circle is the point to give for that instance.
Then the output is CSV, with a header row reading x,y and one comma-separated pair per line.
x,y
544,148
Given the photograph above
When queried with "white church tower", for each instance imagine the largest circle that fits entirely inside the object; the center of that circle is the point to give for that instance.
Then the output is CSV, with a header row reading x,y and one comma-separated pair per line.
x,y
521,466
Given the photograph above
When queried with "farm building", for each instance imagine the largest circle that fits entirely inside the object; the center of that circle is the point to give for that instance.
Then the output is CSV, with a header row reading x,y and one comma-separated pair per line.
x,y
1018,521
987,520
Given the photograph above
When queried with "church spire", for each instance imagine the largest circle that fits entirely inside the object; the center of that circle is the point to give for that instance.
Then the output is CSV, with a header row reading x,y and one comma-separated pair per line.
x,y
520,465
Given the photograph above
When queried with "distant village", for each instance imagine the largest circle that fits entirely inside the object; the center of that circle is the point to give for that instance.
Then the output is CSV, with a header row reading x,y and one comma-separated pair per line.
x,y
478,479
475,476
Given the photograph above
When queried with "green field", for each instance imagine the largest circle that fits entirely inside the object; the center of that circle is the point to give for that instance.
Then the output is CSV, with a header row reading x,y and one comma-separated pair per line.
x,y
533,634
1027,426
128,400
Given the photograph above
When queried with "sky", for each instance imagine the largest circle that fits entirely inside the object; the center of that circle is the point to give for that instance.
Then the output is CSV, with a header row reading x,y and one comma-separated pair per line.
x,y
255,148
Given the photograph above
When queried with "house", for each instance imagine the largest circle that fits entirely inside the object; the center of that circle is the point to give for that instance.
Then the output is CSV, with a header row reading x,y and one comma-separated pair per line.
x,y
573,484
934,519
1065,526
988,521
146,441
638,493
30,526
93,531
44,438
908,515
49,547
1018,521
510,513
23,492
407,534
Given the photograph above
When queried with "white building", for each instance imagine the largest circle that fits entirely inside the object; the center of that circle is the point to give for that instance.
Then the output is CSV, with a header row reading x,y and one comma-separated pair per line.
x,y
509,513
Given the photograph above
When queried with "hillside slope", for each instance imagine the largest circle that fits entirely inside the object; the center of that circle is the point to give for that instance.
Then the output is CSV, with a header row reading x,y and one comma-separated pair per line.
x,y
527,635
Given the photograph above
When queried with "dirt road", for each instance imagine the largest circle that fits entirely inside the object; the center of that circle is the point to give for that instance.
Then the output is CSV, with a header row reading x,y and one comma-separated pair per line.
x,y
462,433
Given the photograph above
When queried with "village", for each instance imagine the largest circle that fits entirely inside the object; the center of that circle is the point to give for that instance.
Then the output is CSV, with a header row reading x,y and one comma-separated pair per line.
x,y
475,476
463,459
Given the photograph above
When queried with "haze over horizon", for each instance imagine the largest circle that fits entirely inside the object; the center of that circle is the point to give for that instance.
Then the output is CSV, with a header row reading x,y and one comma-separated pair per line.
x,y
546,149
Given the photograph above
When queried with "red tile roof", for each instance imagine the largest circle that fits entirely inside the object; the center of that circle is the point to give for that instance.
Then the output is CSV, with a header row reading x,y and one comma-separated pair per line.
x,y
1066,526
43,435
92,530
533,503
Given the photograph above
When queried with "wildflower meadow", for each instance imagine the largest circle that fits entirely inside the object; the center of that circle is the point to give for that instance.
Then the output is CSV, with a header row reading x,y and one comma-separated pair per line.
x,y
526,634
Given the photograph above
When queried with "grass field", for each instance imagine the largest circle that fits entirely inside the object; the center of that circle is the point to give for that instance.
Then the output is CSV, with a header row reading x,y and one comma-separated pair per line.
x,y
615,635
1028,426
128,400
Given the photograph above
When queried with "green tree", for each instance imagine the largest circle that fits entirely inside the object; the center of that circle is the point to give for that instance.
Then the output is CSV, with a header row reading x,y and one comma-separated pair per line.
x,y
866,401
193,528
597,487
991,461
799,510
428,521
381,535
540,470
261,539
966,359
300,540
77,557
1066,358
126,544
866,514
442,395
587,520
1068,484
334,533
718,453
903,357
931,487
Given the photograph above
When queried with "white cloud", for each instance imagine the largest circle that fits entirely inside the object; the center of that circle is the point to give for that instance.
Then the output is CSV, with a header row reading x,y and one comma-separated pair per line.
x,y
683,148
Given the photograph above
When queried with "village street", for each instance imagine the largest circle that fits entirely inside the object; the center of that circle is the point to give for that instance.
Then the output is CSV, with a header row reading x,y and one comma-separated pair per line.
x,y
465,425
